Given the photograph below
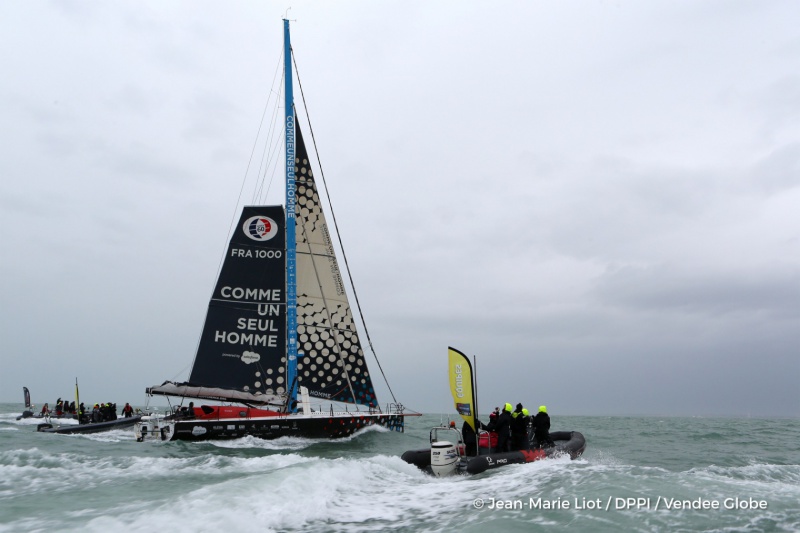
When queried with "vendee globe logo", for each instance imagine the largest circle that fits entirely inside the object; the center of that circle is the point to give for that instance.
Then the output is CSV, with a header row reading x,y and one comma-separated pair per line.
x,y
260,228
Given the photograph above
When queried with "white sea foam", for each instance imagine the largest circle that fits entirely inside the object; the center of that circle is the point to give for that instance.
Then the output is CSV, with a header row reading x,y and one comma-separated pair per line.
x,y
115,435
34,472
290,443
295,497
34,421
286,492
248,442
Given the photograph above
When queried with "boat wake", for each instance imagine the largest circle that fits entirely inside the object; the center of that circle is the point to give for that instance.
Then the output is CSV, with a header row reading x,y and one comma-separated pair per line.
x,y
250,442
114,435
290,443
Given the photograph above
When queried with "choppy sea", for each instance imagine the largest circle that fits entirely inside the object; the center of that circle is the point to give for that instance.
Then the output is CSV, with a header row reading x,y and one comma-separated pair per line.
x,y
637,474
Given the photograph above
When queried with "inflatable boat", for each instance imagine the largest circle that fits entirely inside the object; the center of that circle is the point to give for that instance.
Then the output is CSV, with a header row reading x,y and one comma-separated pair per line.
x,y
447,454
92,427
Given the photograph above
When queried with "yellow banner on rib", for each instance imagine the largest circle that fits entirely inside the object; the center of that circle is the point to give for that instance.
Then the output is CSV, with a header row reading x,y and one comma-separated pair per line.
x,y
460,371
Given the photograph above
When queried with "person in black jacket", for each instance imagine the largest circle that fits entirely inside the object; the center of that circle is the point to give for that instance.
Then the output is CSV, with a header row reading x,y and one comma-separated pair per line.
x,y
470,438
519,428
524,431
541,428
502,425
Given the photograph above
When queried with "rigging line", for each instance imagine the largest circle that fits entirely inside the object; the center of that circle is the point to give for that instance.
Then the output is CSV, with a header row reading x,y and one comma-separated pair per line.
x,y
238,201
276,160
338,235
276,107
263,162
267,153
244,178
271,147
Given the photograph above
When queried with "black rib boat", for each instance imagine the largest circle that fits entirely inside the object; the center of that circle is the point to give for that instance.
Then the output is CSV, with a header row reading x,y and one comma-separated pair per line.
x,y
446,457
92,427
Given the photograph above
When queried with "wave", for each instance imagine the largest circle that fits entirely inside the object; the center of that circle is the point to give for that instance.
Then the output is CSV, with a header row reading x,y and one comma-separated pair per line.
x,y
291,443
331,495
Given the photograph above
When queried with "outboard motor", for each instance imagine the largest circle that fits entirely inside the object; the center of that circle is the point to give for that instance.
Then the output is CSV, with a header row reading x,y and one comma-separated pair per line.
x,y
444,458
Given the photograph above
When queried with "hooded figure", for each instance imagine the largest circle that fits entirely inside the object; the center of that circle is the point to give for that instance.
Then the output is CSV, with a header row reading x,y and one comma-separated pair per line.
x,y
519,429
470,438
541,428
502,425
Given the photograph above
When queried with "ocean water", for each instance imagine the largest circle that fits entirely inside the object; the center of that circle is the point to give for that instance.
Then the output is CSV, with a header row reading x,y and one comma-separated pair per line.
x,y
727,474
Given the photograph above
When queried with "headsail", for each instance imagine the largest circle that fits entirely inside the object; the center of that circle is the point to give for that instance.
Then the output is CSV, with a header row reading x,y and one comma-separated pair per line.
x,y
461,387
332,364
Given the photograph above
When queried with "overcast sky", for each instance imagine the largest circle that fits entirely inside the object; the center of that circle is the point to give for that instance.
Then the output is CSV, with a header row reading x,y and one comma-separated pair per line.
x,y
597,199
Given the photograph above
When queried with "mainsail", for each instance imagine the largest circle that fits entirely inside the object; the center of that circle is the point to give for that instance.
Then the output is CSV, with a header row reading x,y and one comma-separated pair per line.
x,y
242,347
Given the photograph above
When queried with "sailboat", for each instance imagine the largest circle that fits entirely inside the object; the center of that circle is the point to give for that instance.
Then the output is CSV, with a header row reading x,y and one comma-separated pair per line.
x,y
279,329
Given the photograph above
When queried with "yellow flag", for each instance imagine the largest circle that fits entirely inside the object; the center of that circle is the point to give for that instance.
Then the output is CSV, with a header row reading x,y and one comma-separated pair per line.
x,y
461,385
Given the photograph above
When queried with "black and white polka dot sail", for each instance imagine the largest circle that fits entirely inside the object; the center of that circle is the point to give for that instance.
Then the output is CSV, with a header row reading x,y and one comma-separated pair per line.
x,y
331,361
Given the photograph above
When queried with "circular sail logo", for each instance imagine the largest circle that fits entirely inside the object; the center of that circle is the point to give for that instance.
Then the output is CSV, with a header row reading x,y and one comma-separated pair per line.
x,y
260,228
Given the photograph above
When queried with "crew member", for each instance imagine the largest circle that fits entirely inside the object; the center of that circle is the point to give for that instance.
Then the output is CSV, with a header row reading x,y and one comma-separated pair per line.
x,y
502,425
541,428
470,438
519,428
127,411
525,431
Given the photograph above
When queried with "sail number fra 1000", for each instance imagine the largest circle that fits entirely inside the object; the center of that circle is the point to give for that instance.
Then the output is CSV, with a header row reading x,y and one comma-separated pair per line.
x,y
258,254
